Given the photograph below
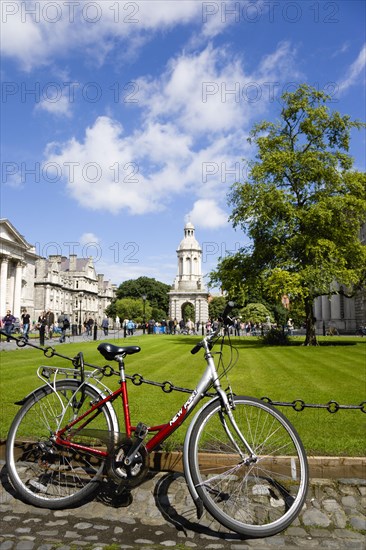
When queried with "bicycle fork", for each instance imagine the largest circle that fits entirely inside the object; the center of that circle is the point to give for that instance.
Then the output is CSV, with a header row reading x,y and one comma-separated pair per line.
x,y
227,409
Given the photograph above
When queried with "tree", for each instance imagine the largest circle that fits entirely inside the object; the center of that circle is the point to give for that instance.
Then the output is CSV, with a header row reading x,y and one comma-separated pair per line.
x,y
302,207
155,292
132,308
256,313
216,306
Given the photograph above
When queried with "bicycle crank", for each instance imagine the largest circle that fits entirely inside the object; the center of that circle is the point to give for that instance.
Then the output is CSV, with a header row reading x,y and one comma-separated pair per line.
x,y
132,474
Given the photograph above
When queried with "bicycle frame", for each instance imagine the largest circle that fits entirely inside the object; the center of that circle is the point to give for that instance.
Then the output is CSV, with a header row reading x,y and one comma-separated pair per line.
x,y
163,431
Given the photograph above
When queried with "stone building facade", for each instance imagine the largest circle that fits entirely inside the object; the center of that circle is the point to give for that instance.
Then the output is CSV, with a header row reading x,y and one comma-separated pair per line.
x,y
58,284
338,311
71,286
17,269
188,287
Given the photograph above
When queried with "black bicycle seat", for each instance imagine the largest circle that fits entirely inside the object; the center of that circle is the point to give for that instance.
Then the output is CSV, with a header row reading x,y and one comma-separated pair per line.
x,y
109,351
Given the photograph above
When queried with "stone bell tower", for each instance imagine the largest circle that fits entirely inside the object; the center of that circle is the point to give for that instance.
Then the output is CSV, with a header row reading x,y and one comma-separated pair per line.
x,y
188,287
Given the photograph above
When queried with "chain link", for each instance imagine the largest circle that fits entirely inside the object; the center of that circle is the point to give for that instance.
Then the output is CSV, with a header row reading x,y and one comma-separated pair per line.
x,y
299,405
137,379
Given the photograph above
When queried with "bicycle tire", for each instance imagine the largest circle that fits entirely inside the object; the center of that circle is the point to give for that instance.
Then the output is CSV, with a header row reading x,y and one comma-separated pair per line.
x,y
50,476
259,499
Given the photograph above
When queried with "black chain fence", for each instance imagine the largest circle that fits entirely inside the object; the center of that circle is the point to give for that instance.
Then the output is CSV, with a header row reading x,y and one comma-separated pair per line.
x,y
137,379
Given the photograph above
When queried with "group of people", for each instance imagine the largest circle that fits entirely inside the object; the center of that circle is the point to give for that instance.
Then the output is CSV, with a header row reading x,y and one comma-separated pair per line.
x,y
46,325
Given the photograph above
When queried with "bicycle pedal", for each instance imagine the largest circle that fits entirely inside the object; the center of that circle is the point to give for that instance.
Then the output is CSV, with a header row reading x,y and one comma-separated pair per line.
x,y
141,430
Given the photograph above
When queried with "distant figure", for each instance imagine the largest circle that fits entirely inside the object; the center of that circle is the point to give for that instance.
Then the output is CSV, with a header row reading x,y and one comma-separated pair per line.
x,y
63,324
130,327
89,326
41,325
105,325
50,321
190,326
290,327
25,324
8,324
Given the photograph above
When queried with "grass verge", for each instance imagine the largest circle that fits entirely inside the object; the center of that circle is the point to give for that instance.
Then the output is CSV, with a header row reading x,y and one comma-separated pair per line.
x,y
316,375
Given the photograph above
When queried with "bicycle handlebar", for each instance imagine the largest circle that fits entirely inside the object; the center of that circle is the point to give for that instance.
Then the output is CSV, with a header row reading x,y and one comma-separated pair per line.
x,y
224,319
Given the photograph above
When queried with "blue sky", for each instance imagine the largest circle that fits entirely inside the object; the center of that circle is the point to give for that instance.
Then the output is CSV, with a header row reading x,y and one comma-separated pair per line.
x,y
120,119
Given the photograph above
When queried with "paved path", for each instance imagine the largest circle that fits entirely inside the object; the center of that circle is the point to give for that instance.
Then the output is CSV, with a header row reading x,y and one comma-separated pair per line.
x,y
160,514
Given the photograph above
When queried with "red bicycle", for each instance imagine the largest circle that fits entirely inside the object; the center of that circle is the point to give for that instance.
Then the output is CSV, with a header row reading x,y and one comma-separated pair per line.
x,y
243,460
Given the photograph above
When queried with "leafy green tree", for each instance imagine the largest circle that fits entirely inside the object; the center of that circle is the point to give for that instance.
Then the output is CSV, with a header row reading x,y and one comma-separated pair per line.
x,y
132,308
302,207
256,313
157,314
155,291
216,306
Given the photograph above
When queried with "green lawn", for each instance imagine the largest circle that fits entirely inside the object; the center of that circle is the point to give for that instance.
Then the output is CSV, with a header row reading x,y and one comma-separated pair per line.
x,y
313,374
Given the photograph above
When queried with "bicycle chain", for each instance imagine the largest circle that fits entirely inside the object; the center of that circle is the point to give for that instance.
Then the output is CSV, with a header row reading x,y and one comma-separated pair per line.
x,y
137,379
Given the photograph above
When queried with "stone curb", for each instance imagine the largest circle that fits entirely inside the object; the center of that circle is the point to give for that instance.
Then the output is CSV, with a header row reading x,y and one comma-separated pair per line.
x,y
324,467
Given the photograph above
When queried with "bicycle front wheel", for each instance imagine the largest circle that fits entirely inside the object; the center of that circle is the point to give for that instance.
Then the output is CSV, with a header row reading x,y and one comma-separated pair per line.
x,y
49,475
256,499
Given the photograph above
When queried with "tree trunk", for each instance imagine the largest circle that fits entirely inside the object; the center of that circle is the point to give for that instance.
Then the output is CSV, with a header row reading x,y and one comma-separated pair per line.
x,y
310,339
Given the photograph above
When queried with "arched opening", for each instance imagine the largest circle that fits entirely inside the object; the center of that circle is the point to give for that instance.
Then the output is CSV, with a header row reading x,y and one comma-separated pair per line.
x,y
188,312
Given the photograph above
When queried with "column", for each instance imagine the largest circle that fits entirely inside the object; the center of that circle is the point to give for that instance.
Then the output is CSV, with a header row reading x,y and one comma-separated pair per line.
x,y
325,308
47,298
3,285
318,309
17,290
335,307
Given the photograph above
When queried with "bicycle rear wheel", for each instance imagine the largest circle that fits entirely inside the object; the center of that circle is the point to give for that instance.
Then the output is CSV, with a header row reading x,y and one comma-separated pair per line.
x,y
257,499
50,475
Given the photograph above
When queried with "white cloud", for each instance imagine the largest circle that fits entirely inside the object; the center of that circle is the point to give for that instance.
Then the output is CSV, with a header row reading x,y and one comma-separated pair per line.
x,y
211,92
193,90
105,170
88,238
355,71
60,106
186,143
206,213
36,33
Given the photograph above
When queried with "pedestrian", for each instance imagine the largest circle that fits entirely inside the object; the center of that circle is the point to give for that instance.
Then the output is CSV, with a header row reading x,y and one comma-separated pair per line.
x,y
50,321
8,324
290,327
190,326
89,326
41,325
130,327
63,324
105,325
25,324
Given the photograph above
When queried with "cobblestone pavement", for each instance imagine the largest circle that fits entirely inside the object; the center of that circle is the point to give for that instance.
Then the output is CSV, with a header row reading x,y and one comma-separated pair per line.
x,y
160,514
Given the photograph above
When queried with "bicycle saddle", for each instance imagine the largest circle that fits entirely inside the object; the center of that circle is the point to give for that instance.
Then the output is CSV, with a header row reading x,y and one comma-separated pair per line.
x,y
109,351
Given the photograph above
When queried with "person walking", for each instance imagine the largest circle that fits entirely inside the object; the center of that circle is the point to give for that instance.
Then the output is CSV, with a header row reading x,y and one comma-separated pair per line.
x,y
63,324
8,324
41,325
89,326
25,324
130,327
50,321
105,325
